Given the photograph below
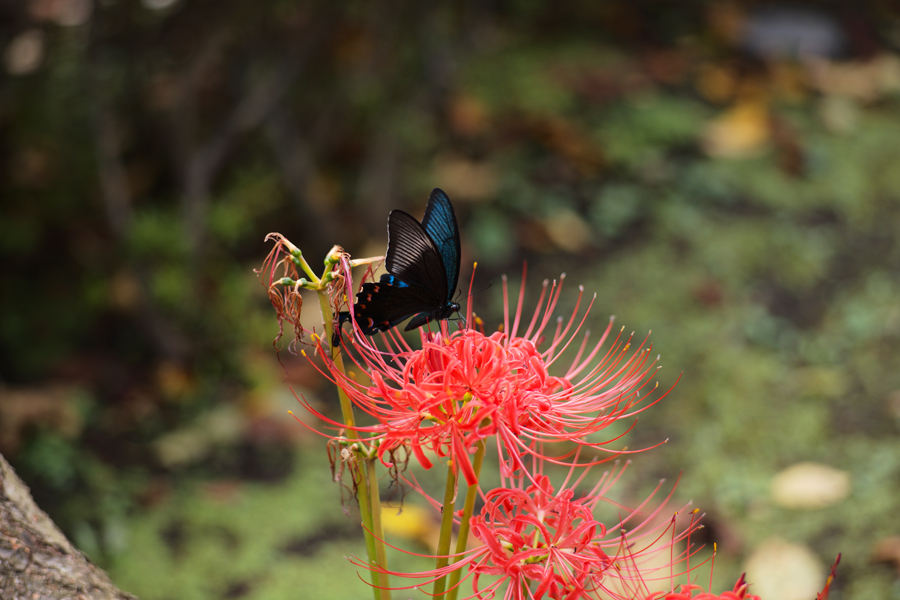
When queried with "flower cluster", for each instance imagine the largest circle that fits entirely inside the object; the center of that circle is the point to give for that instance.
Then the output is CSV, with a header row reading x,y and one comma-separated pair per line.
x,y
686,592
462,390
741,590
465,386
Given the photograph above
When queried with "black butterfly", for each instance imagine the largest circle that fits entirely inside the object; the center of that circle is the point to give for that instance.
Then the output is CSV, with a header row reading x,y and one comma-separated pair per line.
x,y
423,268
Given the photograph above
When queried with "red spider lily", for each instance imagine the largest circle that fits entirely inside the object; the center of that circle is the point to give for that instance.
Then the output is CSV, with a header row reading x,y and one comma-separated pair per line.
x,y
823,595
740,591
544,543
686,592
466,386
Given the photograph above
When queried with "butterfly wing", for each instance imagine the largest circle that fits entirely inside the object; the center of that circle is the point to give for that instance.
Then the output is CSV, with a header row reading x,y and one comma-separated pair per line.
x,y
413,257
423,268
380,306
440,224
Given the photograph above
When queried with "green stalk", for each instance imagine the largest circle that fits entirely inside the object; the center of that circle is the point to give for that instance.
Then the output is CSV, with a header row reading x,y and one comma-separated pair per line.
x,y
443,548
338,359
463,540
363,496
377,529
367,490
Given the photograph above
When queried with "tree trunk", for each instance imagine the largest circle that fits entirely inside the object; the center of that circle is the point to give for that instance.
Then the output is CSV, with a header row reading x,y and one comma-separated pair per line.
x,y
36,559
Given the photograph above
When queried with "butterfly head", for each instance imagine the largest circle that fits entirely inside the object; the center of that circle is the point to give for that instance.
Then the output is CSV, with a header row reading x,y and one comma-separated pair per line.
x,y
448,310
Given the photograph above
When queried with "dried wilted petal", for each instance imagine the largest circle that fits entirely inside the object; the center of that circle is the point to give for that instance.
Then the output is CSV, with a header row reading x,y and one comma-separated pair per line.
x,y
283,282
287,300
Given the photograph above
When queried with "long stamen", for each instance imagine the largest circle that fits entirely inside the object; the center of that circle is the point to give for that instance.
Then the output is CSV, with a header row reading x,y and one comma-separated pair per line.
x,y
552,300
520,302
505,306
576,368
551,352
470,304
537,310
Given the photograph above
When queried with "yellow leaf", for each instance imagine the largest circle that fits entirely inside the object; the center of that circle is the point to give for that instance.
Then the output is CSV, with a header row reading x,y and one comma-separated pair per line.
x,y
741,131
411,523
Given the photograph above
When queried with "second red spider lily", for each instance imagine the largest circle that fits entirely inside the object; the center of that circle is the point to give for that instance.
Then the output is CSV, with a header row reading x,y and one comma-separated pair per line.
x,y
741,590
465,386
539,541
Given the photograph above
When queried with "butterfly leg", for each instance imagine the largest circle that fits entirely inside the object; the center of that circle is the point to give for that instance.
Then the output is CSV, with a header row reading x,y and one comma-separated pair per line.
x,y
460,321
338,324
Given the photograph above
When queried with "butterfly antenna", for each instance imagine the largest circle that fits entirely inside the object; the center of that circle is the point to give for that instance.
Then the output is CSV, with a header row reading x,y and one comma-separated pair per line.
x,y
471,293
488,286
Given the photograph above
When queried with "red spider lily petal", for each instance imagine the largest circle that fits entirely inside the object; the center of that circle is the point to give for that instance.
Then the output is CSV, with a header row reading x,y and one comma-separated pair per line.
x,y
823,595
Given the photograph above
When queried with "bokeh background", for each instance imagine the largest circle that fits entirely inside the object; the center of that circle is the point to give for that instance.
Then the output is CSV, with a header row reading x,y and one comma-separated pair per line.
x,y
725,174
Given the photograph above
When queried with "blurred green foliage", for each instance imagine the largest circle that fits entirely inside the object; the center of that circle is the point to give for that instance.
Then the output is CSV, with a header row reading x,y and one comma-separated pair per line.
x,y
149,151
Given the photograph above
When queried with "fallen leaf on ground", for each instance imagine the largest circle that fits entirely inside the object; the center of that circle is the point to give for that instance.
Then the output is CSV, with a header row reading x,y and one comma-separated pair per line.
x,y
810,485
741,131
780,570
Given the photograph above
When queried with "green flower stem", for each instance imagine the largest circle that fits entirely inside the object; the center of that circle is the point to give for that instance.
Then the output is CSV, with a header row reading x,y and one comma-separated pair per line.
x,y
367,489
363,495
443,548
378,530
468,508
338,359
